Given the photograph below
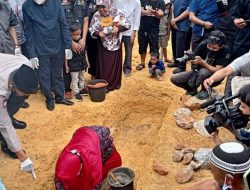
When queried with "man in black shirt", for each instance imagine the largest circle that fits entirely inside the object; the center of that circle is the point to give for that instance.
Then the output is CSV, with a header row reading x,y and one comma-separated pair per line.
x,y
151,13
210,56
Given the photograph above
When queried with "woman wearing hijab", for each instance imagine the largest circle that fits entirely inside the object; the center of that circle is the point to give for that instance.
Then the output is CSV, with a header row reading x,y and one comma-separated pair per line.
x,y
106,24
86,160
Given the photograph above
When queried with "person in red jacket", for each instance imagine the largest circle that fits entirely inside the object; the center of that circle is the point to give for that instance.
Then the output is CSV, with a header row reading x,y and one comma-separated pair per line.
x,y
86,160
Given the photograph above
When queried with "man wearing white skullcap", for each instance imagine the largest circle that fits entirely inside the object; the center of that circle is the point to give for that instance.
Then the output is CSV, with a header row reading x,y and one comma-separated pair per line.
x,y
228,162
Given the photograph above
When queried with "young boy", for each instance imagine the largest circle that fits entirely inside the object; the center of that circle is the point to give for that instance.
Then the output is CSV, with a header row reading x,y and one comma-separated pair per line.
x,y
164,31
77,64
156,66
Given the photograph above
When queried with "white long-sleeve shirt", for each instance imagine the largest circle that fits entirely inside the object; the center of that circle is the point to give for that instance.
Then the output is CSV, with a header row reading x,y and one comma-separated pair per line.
x,y
132,10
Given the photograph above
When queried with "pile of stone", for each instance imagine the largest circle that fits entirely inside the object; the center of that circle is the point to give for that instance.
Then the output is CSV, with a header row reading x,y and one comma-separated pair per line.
x,y
193,159
184,118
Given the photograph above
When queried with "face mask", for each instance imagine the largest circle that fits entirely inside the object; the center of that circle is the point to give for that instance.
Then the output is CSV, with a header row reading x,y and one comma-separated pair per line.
x,y
225,185
39,2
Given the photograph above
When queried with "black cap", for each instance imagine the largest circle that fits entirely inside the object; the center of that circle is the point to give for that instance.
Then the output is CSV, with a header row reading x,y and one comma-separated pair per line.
x,y
26,80
217,37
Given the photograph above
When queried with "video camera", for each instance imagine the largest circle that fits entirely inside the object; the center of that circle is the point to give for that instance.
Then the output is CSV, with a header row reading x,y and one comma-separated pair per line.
x,y
222,114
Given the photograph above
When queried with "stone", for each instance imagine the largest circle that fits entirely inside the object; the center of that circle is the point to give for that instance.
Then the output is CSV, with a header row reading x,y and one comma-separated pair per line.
x,y
160,169
189,150
182,112
185,122
179,147
195,165
187,158
200,128
185,175
177,155
202,156
191,102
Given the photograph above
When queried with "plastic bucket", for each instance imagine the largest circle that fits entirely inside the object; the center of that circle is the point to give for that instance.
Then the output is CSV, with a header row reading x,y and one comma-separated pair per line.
x,y
97,89
120,173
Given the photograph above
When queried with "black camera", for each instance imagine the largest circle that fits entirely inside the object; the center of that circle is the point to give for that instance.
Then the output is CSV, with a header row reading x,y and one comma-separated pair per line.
x,y
188,55
222,114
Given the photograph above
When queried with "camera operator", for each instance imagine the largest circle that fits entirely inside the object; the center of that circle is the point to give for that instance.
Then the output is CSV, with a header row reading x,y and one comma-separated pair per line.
x,y
240,65
210,56
232,117
228,162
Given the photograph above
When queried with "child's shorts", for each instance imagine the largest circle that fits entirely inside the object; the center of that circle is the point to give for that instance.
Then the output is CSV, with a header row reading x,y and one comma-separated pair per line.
x,y
163,41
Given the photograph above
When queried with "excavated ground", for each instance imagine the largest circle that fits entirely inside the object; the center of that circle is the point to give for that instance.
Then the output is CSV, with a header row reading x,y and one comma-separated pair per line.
x,y
140,116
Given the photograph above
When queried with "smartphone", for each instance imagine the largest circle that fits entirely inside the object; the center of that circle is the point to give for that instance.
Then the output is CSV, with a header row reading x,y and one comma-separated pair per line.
x,y
246,178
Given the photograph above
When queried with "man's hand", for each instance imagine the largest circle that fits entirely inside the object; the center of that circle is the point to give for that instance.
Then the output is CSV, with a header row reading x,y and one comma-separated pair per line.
x,y
35,62
208,82
18,50
208,25
76,47
82,43
198,60
68,54
240,23
173,24
115,30
27,166
216,138
153,66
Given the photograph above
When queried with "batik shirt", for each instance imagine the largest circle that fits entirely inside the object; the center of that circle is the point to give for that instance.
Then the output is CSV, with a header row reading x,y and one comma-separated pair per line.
x,y
111,42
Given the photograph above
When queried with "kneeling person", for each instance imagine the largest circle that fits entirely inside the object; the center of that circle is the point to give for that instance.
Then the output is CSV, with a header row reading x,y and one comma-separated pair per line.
x,y
211,55
86,160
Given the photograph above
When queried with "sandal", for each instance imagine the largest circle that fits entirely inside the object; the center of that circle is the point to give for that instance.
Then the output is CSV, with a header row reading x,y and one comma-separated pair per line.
x,y
140,67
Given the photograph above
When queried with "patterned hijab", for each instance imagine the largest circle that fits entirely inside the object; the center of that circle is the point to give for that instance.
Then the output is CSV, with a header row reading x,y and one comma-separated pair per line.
x,y
105,3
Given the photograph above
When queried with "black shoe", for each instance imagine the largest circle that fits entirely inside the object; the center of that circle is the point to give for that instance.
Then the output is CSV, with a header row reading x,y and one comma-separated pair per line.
x,y
18,124
25,105
78,97
84,92
127,73
202,95
65,102
192,93
178,70
172,65
50,105
9,152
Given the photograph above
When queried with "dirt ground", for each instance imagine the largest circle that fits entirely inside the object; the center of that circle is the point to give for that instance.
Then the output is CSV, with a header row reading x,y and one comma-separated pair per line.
x,y
140,116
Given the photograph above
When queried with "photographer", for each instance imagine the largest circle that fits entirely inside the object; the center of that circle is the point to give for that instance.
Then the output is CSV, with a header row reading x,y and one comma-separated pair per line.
x,y
210,56
234,118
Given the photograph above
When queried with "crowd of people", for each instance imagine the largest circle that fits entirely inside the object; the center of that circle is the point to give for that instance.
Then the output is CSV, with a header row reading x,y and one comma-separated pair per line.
x,y
51,44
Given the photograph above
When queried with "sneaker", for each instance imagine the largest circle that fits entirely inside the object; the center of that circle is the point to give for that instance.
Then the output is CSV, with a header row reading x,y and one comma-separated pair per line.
x,y
202,95
172,65
178,70
84,92
68,95
78,97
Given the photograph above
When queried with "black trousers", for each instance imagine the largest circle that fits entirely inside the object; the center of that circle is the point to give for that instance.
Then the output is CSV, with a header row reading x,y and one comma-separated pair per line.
x,y
14,103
